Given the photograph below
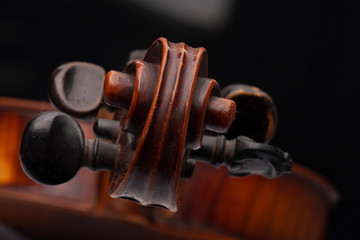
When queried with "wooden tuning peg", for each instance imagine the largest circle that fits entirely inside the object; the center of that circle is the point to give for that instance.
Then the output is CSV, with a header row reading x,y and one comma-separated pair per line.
x,y
256,114
53,148
77,88
243,156
165,103
119,91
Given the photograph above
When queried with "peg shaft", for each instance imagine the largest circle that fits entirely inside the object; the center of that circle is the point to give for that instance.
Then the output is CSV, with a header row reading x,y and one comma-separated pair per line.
x,y
243,156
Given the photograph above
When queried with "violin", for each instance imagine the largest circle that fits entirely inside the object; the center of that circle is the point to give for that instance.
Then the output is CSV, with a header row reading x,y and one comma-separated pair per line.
x,y
167,137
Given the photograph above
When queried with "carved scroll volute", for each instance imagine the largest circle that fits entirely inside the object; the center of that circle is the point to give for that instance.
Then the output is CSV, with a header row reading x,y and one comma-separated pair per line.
x,y
172,102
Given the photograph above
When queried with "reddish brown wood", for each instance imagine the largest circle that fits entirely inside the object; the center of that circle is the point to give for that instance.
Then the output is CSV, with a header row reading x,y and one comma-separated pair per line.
x,y
203,91
11,127
166,102
155,127
295,206
119,88
14,115
213,205
219,114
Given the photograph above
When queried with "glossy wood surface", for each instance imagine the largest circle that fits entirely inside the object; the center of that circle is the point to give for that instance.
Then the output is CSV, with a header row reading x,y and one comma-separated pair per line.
x,y
213,205
67,93
293,206
14,115
170,92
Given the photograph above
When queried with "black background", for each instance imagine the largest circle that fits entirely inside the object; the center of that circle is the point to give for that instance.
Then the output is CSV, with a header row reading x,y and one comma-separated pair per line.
x,y
303,53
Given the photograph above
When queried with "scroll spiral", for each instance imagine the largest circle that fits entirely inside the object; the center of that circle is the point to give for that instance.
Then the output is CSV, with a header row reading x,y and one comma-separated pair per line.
x,y
170,102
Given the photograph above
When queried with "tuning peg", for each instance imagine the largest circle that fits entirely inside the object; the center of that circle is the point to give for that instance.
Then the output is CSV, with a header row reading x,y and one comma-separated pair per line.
x,y
165,103
53,148
119,90
243,156
77,88
256,114
107,129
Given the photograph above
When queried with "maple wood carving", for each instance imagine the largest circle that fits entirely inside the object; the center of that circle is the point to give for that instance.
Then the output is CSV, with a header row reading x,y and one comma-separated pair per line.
x,y
170,102
159,108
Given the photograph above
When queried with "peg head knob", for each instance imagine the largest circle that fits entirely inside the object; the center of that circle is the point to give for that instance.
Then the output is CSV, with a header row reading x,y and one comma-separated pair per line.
x,y
77,88
256,114
52,148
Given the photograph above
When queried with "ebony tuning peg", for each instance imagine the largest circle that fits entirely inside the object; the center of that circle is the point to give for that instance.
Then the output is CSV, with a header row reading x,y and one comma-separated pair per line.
x,y
243,156
77,88
53,148
165,103
107,129
241,149
256,114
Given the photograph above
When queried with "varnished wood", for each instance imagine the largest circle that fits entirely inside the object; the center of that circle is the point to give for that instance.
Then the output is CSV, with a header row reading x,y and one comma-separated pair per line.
x,y
14,115
119,88
213,205
10,129
154,130
163,105
294,206
68,95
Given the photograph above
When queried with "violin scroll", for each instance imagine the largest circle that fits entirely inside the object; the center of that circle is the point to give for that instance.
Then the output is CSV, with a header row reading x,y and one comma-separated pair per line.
x,y
168,115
